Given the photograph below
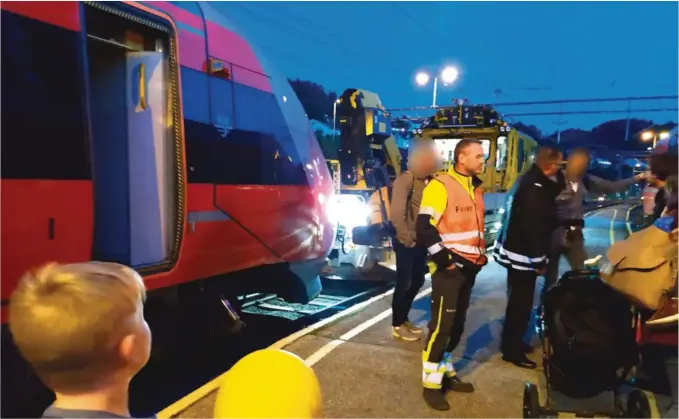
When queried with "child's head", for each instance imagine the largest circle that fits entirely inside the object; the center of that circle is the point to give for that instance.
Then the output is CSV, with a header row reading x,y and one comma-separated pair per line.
x,y
81,325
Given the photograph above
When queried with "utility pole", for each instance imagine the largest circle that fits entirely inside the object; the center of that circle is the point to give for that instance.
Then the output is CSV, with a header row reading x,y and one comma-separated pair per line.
x,y
559,123
627,123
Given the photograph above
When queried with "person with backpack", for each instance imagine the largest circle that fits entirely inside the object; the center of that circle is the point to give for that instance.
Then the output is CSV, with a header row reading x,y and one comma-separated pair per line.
x,y
410,256
568,239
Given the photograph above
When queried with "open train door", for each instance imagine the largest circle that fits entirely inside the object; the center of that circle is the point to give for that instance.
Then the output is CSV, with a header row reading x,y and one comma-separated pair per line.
x,y
135,140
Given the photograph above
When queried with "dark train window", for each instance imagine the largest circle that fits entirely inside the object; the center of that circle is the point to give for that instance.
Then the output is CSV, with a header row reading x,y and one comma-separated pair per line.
x,y
43,120
200,149
260,126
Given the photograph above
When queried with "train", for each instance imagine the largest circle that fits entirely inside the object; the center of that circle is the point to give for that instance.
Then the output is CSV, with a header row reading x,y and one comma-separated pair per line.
x,y
155,135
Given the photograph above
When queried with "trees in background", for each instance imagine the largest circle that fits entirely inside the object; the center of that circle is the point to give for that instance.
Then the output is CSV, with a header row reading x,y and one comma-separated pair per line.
x,y
605,138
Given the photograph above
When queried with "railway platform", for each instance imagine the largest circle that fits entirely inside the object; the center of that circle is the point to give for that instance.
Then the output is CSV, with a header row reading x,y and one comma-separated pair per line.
x,y
365,372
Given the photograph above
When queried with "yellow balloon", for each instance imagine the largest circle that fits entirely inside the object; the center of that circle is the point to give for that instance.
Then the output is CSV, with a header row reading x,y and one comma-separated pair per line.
x,y
269,383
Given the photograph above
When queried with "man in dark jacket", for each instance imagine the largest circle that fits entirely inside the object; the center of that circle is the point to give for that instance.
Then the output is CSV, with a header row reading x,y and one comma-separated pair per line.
x,y
522,245
411,258
568,239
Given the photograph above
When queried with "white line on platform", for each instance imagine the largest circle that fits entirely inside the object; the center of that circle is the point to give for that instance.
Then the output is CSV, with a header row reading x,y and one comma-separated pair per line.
x,y
612,229
329,347
627,223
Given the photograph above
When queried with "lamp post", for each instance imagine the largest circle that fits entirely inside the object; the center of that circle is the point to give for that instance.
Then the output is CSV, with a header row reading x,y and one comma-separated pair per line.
x,y
334,118
448,76
652,135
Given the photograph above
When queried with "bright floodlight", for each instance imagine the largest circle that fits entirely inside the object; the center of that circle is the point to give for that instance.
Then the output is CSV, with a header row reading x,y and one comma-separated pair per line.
x,y
664,135
647,135
449,75
422,78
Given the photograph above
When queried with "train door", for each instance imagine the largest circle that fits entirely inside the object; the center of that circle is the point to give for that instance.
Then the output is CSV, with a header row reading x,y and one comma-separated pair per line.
x,y
136,143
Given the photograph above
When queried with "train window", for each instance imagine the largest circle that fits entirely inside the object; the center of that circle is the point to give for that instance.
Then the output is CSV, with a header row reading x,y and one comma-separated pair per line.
x,y
521,155
501,154
200,149
258,114
43,118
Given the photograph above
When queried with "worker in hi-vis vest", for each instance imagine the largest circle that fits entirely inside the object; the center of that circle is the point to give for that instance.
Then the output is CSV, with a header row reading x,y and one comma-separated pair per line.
x,y
450,226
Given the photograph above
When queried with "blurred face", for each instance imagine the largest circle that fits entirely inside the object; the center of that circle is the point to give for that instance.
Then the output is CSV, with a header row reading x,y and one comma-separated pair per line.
x,y
429,160
554,167
471,160
577,166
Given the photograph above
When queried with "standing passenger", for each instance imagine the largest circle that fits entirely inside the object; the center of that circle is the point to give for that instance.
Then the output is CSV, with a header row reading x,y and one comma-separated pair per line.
x,y
410,256
450,226
81,328
522,246
568,239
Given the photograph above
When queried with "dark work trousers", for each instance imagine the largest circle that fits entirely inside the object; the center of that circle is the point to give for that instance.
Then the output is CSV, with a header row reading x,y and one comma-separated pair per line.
x,y
450,296
574,252
411,265
520,290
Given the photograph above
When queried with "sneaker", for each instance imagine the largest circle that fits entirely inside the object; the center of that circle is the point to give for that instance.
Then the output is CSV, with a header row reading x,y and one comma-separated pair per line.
x,y
667,313
402,332
416,330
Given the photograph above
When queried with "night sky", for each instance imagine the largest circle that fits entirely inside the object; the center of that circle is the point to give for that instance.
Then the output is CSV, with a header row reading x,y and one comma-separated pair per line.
x,y
506,51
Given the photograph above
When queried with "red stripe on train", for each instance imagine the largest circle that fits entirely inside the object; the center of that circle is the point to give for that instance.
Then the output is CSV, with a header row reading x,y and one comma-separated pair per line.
x,y
288,219
65,14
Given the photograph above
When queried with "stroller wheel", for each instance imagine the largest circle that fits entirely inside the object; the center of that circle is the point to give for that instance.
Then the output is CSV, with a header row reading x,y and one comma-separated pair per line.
x,y
531,401
638,405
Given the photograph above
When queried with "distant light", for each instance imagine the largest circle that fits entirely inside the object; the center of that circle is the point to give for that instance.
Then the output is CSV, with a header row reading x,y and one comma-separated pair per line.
x,y
647,135
422,78
285,99
637,165
649,148
449,75
308,166
664,135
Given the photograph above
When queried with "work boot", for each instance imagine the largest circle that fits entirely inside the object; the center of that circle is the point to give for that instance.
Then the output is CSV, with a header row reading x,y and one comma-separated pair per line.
x,y
434,398
404,333
520,360
410,326
453,383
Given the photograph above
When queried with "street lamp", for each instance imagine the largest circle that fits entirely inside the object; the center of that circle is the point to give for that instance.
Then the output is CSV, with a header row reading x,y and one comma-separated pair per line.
x,y
652,135
448,76
334,118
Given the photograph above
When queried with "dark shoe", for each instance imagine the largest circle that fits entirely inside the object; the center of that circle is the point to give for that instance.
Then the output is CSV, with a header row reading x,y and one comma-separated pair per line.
x,y
520,361
435,399
666,314
455,384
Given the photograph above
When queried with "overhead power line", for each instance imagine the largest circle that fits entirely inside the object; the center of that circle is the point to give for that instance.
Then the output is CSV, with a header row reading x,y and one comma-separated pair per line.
x,y
564,101
592,112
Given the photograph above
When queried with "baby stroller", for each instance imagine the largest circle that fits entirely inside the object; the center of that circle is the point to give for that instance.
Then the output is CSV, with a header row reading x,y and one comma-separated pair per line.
x,y
588,336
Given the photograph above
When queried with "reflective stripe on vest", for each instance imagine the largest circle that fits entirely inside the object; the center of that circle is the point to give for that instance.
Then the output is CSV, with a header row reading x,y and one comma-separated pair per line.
x,y
461,224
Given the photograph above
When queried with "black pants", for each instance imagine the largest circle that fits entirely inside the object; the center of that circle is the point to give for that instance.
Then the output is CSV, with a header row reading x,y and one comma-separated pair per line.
x,y
450,296
575,254
520,290
410,270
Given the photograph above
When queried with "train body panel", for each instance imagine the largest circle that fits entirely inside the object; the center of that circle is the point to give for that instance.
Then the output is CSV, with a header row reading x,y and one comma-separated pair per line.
x,y
251,183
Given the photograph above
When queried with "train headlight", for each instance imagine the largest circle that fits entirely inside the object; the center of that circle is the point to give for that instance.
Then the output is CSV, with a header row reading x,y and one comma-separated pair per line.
x,y
349,211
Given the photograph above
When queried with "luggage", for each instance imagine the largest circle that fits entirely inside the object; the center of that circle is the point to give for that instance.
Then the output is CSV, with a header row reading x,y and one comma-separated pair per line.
x,y
642,267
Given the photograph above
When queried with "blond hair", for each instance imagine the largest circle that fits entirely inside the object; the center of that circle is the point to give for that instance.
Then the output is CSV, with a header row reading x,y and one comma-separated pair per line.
x,y
67,320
